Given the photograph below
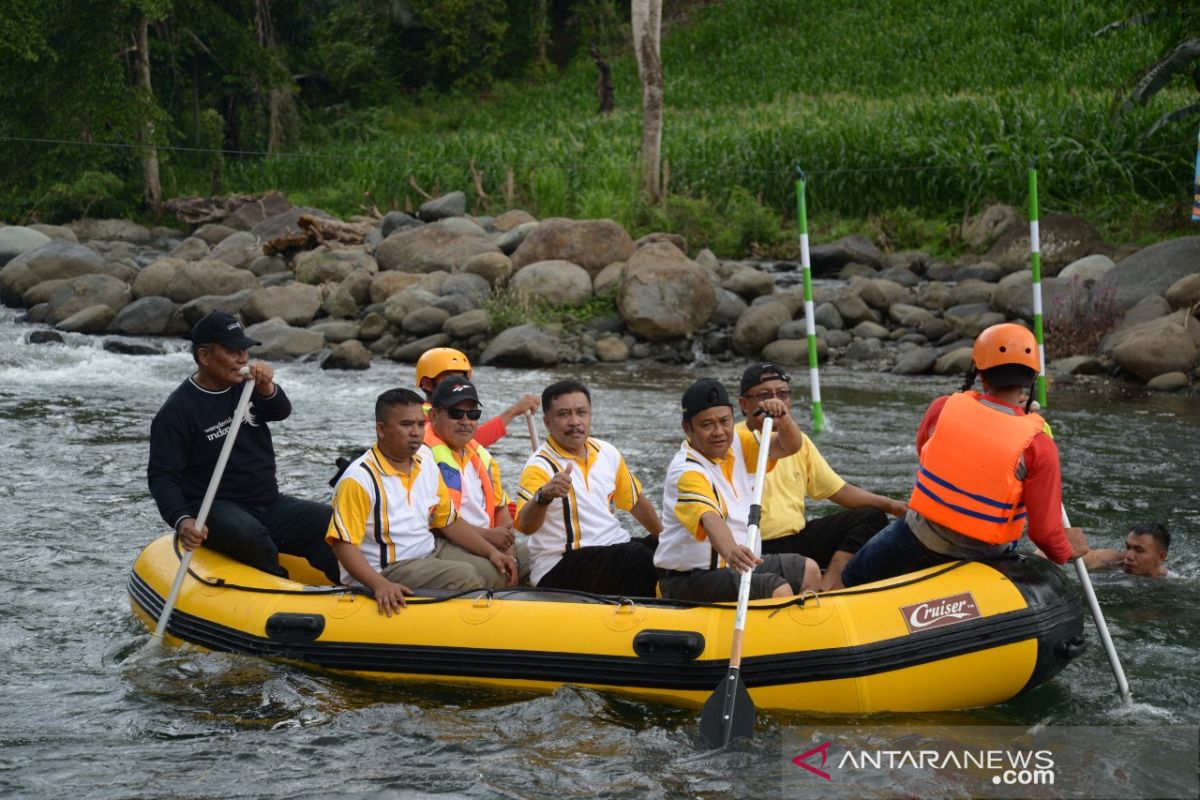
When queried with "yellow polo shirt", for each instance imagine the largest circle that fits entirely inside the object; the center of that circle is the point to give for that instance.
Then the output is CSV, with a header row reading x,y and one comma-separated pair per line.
x,y
803,473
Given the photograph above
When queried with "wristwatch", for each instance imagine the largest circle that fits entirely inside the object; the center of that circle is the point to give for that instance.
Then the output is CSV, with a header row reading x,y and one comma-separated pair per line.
x,y
540,499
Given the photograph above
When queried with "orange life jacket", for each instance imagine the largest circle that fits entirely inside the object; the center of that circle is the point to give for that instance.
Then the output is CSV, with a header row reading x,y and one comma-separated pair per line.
x,y
968,477
452,474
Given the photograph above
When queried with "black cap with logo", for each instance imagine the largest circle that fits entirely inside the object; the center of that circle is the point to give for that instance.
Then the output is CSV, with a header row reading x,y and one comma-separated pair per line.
x,y
702,395
452,391
757,373
221,327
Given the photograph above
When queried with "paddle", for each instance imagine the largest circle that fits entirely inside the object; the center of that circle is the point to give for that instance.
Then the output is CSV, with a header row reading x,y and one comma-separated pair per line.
x,y
533,437
238,415
1098,616
729,712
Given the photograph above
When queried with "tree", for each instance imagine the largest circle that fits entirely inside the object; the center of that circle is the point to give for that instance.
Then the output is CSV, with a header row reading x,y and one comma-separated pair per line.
x,y
1180,60
647,32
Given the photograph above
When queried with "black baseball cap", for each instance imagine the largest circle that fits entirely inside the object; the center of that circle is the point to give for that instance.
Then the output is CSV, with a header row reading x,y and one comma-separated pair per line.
x,y
702,395
452,391
757,373
221,327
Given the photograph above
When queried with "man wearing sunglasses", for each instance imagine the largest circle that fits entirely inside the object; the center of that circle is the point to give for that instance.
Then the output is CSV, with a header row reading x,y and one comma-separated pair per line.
x,y
829,540
566,499
472,476
441,363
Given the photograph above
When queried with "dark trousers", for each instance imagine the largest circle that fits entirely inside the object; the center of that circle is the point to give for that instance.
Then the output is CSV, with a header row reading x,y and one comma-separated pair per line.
x,y
256,535
823,536
721,585
895,551
624,569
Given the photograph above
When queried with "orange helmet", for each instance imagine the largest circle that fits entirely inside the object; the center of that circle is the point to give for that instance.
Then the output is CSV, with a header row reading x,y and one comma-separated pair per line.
x,y
437,360
1006,343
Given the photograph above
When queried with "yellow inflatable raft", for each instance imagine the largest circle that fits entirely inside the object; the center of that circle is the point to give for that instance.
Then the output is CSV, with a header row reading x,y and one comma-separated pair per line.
x,y
956,636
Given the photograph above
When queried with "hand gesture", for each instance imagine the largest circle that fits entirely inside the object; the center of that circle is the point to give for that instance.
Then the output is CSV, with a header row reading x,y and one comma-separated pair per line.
x,y
263,377
501,538
896,508
1078,542
774,407
559,485
505,565
390,597
742,558
189,536
529,402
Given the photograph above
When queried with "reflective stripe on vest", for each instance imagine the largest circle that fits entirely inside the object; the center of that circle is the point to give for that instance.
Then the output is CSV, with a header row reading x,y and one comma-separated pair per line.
x,y
970,479
451,471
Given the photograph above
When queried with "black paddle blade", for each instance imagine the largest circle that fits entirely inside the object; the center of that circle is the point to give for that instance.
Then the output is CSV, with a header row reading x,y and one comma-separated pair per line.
x,y
728,713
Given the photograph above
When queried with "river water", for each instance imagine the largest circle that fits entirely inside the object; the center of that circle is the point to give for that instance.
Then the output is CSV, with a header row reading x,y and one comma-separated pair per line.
x,y
78,717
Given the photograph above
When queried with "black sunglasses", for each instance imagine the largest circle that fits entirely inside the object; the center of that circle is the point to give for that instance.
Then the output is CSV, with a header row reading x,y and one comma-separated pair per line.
x,y
459,413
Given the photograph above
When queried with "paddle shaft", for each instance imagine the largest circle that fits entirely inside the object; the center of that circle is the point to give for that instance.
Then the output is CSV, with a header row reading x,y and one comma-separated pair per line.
x,y
533,437
760,477
1098,616
238,415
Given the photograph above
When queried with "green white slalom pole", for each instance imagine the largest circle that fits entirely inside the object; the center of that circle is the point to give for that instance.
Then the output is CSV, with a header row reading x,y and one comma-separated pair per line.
x,y
810,323
1035,261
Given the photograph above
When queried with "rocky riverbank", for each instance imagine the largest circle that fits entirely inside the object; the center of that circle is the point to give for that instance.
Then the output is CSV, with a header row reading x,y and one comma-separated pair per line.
x,y
513,290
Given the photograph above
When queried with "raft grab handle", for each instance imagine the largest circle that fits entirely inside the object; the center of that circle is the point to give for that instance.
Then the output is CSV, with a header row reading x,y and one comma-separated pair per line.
x,y
287,627
668,645
1071,648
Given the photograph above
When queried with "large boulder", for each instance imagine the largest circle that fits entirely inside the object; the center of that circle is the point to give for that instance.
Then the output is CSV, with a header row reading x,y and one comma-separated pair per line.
x,y
981,230
1152,270
424,321
187,281
467,324
1088,269
592,244
513,218
1149,329
85,291
401,304
916,362
348,355
972,291
749,283
793,352
192,248
93,319
467,284
557,283
1063,237
385,284
1185,292
111,230
829,259
729,308
409,353
438,246
882,294
1150,352
17,240
296,304
350,295
285,223
212,233
522,346
664,295
1014,295
324,266
909,316
250,214
237,250
53,260
280,340
853,309
758,326
492,267
195,310
56,232
151,316
395,221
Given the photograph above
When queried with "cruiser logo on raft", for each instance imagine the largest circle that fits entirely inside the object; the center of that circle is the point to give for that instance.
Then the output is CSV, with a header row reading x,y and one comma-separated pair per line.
x,y
941,612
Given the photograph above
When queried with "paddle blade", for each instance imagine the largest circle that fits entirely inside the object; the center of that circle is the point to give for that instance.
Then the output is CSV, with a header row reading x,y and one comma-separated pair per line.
x,y
728,713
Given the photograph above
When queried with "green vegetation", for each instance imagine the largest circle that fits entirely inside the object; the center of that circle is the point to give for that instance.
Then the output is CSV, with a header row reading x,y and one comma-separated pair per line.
x,y
905,115
507,309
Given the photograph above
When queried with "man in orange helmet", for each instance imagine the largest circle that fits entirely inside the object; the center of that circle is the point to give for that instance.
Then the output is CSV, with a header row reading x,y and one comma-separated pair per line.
x,y
987,468
439,363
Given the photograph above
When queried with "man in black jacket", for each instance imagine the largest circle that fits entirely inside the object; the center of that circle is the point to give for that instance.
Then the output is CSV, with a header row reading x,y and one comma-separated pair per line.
x,y
249,520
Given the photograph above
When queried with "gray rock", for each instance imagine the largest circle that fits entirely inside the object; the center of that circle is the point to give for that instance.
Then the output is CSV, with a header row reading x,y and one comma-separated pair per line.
x,y
881,294
56,232
1149,353
853,309
453,204
793,352
826,315
337,331
1077,365
1152,270
495,268
608,280
1064,238
409,353
908,315
424,321
1088,269
981,230
469,285
900,275
350,295
151,316
511,219
195,310
556,283
125,347
462,226
1185,292
981,271
758,326
611,349
729,307
936,296
664,295
186,281
510,241
869,330
592,244
280,340
93,319
53,260
749,283
455,304
972,291
437,246
399,305
911,260
316,267
940,271
192,248
395,221
17,240
111,230
267,265
238,250
249,215
863,350
966,317
1168,382
386,284
40,293
835,338
792,329
934,329
856,270
954,362
296,305
916,362
829,259
85,292
348,355
522,346
213,233
373,326
466,325
45,337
